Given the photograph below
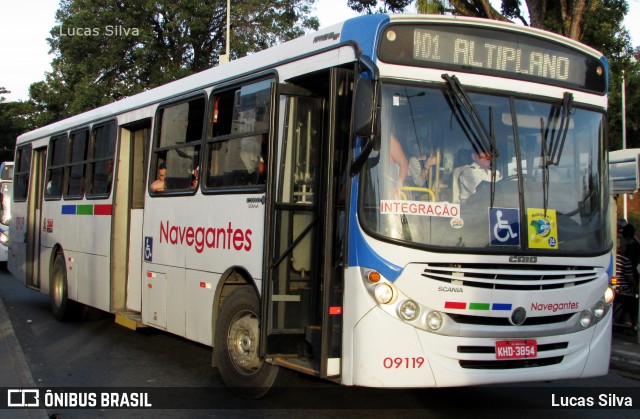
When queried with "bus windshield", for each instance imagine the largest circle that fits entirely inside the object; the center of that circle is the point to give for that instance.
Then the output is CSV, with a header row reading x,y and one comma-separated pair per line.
x,y
487,172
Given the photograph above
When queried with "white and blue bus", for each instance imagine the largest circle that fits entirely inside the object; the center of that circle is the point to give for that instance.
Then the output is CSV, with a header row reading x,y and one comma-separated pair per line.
x,y
393,201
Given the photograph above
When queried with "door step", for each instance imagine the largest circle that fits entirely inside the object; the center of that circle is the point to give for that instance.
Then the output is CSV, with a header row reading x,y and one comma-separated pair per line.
x,y
129,319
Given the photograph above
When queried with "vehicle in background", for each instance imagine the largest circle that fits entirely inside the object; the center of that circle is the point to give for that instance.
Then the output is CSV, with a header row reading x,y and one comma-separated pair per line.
x,y
6,189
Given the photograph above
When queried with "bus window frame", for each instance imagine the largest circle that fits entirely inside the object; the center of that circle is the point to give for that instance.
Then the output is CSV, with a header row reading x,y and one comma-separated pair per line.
x,y
64,136
156,149
17,173
92,160
211,140
74,163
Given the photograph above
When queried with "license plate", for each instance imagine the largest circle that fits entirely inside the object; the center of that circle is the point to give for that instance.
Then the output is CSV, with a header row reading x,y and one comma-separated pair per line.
x,y
516,349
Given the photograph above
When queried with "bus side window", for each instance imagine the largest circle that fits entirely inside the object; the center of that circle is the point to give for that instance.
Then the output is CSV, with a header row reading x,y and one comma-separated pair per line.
x,y
21,177
237,148
176,159
101,160
76,165
55,170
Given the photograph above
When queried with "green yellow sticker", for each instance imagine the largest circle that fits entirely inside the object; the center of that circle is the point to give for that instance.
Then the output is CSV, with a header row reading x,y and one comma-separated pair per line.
x,y
543,228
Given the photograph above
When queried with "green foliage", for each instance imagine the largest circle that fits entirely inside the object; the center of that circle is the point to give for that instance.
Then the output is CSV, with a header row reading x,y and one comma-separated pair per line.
x,y
375,6
106,50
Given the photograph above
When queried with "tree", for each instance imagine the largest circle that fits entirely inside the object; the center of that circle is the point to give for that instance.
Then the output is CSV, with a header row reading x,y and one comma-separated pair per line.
x,y
10,126
374,6
106,50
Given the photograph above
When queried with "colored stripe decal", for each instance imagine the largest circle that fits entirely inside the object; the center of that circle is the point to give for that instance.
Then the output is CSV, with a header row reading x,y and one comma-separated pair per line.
x,y
456,305
69,209
85,210
103,209
98,209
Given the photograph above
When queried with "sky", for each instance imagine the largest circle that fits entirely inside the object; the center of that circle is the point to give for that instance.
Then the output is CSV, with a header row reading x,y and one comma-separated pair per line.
x,y
24,51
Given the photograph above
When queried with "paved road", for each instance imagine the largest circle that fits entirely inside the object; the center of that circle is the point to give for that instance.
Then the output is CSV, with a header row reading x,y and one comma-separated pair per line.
x,y
95,353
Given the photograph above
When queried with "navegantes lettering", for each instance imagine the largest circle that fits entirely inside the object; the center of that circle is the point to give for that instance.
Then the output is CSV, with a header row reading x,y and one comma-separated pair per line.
x,y
199,238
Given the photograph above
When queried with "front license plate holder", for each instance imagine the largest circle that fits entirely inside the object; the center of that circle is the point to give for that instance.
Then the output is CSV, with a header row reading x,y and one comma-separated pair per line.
x,y
516,349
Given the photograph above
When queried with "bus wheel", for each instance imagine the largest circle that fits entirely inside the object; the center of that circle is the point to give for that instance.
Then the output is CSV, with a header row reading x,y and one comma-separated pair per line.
x,y
63,309
236,346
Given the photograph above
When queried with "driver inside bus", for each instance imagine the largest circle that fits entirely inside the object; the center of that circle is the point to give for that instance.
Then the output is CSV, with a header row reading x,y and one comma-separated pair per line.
x,y
477,172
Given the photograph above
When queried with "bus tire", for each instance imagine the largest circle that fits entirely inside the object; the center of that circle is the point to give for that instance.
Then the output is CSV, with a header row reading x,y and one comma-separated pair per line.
x,y
62,308
236,346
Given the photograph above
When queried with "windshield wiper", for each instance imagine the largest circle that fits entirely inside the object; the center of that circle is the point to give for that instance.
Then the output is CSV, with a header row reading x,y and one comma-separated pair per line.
x,y
553,138
482,139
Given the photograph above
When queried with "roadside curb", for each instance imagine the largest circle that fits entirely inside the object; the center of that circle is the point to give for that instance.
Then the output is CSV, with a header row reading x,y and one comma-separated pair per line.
x,y
15,370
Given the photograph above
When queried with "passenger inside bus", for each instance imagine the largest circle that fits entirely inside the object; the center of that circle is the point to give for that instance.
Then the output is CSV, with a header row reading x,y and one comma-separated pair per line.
x,y
195,177
158,185
420,164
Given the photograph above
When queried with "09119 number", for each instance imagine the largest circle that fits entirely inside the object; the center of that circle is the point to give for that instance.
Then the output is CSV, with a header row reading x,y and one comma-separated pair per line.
x,y
406,362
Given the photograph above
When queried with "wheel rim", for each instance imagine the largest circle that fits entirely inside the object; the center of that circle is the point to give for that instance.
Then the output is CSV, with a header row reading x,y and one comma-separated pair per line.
x,y
242,342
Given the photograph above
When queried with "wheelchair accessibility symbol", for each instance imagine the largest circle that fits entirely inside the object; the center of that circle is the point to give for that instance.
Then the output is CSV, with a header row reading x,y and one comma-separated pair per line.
x,y
148,249
504,226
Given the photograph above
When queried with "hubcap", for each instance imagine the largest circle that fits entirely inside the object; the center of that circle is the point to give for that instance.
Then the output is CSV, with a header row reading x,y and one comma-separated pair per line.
x,y
242,341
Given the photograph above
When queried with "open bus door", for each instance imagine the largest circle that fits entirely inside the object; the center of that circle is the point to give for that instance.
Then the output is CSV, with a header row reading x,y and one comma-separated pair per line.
x,y
34,217
302,286
303,281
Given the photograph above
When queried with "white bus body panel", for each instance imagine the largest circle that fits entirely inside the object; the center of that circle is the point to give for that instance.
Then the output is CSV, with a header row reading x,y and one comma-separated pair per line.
x,y
195,240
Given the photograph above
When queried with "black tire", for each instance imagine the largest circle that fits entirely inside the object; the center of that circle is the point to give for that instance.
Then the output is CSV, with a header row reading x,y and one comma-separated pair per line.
x,y
62,308
236,347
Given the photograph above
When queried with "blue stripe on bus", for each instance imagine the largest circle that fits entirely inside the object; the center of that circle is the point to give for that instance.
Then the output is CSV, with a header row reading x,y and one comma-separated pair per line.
x,y
68,209
497,306
360,253
365,31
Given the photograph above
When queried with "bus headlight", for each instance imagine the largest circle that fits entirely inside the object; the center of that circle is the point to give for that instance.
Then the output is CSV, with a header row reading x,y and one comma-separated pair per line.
x,y
384,293
434,320
609,294
598,309
585,319
409,310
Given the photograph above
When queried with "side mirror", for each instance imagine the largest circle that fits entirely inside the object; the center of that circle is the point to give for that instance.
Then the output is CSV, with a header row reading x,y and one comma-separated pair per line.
x,y
364,110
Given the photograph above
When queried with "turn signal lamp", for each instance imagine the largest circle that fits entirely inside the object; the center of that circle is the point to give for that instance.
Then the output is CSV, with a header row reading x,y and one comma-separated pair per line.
x,y
374,277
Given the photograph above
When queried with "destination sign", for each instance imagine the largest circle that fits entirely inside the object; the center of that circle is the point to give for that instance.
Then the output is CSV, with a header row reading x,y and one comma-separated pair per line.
x,y
493,52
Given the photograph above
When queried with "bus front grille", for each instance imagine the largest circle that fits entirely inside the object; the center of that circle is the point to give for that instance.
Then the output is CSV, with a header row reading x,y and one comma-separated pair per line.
x,y
510,277
511,364
503,321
